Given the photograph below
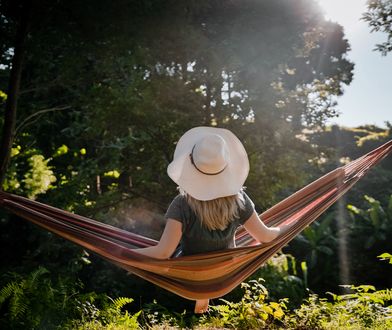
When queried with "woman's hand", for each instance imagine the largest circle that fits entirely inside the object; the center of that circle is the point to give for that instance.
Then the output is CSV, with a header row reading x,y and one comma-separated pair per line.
x,y
285,228
263,234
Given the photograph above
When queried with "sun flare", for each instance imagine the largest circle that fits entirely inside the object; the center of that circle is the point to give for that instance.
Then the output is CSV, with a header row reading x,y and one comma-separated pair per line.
x,y
346,12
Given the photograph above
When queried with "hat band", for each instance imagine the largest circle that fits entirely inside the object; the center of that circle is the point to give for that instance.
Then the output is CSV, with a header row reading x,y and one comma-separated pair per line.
x,y
193,163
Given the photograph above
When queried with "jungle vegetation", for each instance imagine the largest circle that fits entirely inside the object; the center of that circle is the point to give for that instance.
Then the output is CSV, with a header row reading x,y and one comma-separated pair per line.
x,y
96,94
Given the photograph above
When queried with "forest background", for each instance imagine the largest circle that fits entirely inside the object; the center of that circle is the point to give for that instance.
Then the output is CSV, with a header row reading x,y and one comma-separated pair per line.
x,y
105,89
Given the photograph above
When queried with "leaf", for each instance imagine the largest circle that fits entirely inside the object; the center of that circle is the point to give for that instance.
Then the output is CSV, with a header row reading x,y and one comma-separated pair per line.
x,y
61,151
278,313
385,256
304,267
267,309
363,288
353,209
274,305
374,216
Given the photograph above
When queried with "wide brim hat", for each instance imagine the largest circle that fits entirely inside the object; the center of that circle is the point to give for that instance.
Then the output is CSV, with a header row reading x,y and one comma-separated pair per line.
x,y
209,163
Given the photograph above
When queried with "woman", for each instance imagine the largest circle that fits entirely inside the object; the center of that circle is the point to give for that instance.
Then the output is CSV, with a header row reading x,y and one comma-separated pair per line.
x,y
210,166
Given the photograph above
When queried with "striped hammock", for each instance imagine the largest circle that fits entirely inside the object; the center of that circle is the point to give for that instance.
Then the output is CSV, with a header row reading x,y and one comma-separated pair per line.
x,y
208,275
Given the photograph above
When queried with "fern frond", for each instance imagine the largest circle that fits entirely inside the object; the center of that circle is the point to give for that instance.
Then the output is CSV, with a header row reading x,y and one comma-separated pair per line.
x,y
19,303
35,275
384,295
7,291
120,302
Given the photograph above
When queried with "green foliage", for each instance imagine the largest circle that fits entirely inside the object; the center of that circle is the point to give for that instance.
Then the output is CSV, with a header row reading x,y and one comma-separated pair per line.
x,y
40,177
370,230
254,68
375,221
32,301
29,173
354,241
253,311
316,250
386,256
106,103
62,150
319,241
282,279
338,145
3,96
109,316
365,308
379,18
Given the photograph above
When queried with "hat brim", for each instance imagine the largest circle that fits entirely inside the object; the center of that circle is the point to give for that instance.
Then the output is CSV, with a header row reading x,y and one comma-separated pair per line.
x,y
207,187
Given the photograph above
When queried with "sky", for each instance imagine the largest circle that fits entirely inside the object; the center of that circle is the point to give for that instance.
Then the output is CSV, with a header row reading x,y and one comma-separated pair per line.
x,y
368,99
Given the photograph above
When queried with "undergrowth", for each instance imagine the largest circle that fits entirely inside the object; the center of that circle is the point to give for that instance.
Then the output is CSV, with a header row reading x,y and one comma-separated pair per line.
x,y
35,301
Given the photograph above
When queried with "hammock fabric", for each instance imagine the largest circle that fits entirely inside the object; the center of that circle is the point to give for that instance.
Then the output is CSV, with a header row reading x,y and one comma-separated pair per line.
x,y
208,275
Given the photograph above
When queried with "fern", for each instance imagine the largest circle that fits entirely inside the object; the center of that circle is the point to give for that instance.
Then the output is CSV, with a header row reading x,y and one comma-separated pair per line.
x,y
382,295
29,298
7,291
120,302
18,303
36,275
18,293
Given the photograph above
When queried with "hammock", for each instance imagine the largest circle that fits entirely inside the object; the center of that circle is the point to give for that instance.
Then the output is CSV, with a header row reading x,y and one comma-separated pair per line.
x,y
208,275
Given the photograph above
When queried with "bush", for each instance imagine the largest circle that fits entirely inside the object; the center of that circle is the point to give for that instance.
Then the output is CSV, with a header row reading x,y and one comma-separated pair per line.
x,y
252,312
364,308
34,301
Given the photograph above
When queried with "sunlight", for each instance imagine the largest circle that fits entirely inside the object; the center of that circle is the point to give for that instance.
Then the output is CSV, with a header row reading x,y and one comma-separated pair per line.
x,y
346,12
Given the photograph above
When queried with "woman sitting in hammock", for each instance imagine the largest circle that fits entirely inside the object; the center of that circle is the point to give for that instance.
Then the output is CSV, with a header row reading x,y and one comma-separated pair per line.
x,y
210,166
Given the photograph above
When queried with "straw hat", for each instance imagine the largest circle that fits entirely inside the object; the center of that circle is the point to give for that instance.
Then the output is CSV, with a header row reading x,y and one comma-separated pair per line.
x,y
209,163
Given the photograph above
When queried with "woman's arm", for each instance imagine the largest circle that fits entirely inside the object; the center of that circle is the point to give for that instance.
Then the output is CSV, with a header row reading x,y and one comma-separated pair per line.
x,y
167,244
259,231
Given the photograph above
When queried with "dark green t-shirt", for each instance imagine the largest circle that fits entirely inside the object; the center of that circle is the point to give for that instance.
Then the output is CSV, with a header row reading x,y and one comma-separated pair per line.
x,y
199,239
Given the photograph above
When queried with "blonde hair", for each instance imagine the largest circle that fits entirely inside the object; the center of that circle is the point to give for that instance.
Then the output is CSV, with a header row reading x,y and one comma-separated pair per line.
x,y
217,213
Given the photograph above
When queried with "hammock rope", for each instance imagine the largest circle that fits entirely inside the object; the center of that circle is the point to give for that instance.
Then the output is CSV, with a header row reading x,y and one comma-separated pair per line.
x,y
208,275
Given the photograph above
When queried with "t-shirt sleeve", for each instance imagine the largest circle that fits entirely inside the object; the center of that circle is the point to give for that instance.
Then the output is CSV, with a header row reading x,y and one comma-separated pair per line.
x,y
248,209
174,210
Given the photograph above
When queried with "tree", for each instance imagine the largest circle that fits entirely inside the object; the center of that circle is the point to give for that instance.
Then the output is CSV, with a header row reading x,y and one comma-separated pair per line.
x,y
339,145
379,18
131,90
22,22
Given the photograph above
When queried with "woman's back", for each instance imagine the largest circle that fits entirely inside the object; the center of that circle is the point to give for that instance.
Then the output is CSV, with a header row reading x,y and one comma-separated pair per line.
x,y
196,236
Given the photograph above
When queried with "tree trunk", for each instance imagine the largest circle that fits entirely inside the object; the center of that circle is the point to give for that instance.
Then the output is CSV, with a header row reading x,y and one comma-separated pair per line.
x,y
13,91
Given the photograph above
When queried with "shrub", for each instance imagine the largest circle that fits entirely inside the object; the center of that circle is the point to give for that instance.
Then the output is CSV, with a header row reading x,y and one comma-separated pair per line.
x,y
252,312
364,308
34,301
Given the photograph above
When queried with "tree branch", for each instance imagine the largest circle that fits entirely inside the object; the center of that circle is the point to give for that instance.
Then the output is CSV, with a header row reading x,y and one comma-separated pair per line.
x,y
25,122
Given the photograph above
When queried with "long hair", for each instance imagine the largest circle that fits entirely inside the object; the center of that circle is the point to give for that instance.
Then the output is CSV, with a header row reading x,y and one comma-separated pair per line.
x,y
217,213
